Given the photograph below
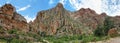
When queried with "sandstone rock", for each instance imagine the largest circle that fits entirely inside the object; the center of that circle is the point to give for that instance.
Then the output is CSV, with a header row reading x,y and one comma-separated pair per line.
x,y
7,9
112,32
103,14
18,17
10,19
59,21
55,21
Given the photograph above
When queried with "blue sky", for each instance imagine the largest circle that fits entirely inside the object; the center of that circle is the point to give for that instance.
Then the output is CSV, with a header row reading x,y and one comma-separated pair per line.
x,y
29,8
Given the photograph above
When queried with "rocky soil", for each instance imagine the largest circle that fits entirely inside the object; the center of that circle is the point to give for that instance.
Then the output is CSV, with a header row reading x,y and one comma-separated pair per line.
x,y
111,40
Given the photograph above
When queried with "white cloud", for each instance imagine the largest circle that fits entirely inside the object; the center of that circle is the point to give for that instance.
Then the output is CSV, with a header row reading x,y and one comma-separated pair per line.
x,y
8,1
51,2
93,4
111,7
29,18
63,1
23,8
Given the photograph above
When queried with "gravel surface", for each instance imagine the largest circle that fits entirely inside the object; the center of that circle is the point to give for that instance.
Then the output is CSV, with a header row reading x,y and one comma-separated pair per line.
x,y
111,40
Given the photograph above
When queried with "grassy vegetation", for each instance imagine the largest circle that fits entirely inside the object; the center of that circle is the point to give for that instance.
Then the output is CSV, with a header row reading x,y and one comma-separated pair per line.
x,y
12,31
93,38
62,39
99,34
52,39
102,30
74,39
18,36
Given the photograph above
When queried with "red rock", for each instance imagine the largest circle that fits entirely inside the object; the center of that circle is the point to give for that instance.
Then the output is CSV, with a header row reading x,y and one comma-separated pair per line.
x,y
7,9
112,32
10,19
55,21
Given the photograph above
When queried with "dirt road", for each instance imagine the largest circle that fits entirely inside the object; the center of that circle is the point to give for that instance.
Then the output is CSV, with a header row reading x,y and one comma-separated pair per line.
x,y
111,40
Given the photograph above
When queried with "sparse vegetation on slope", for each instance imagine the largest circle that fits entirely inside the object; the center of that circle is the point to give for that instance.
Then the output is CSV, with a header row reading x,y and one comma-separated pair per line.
x,y
56,25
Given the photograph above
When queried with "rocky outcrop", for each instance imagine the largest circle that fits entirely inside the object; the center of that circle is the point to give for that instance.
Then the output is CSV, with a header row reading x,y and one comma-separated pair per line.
x,y
58,21
10,19
112,32
7,9
18,17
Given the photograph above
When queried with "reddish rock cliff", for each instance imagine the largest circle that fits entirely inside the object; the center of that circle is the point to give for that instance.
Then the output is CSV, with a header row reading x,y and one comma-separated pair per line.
x,y
9,19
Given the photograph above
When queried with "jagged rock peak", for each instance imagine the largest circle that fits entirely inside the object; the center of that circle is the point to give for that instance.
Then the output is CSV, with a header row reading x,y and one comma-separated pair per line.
x,y
59,5
8,5
103,14
7,9
87,10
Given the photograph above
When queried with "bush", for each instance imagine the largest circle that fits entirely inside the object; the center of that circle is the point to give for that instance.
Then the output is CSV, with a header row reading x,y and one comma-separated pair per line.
x,y
102,30
12,31
18,41
86,39
63,38
1,30
3,41
99,31
42,34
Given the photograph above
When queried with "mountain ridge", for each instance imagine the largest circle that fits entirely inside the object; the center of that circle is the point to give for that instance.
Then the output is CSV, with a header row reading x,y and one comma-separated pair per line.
x,y
56,22
81,16
86,18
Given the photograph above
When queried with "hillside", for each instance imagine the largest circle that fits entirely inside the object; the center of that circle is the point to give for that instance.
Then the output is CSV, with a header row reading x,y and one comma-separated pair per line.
x,y
56,23
59,21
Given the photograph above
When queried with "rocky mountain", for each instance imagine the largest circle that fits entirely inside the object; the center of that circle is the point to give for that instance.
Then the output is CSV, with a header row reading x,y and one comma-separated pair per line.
x,y
59,21
56,21
10,19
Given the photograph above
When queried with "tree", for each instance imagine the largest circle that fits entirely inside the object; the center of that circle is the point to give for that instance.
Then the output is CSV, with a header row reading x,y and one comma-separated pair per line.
x,y
102,30
108,24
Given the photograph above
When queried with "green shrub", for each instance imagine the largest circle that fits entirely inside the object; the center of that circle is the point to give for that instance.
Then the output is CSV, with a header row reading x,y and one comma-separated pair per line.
x,y
99,31
3,41
102,30
42,34
1,30
86,39
12,31
18,41
63,38
58,41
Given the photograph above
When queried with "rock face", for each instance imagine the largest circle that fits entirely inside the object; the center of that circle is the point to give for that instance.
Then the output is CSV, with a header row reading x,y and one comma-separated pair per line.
x,y
10,19
18,17
7,9
56,21
112,32
59,21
